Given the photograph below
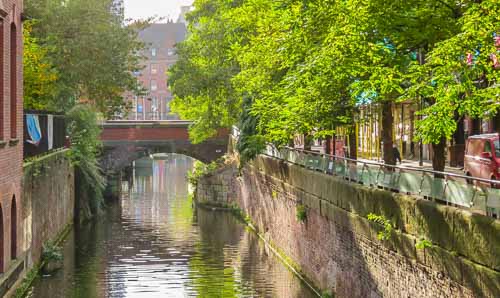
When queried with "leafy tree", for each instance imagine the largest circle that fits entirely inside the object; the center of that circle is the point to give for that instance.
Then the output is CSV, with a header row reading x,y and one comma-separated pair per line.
x,y
92,51
452,84
39,75
85,147
307,66
201,78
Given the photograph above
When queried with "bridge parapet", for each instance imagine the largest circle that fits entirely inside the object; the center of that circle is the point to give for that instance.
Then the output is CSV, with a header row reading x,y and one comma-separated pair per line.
x,y
125,141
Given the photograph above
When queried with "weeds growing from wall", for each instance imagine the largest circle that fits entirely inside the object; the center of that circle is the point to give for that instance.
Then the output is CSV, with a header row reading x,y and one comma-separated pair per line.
x,y
51,252
201,169
386,233
84,133
301,213
422,244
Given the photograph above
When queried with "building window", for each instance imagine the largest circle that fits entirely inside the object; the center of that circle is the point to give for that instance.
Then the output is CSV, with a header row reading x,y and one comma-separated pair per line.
x,y
154,87
13,229
154,68
2,82
170,52
153,52
2,239
13,81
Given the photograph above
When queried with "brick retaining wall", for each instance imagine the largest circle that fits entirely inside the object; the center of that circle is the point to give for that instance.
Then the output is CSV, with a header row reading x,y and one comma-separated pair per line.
x,y
337,248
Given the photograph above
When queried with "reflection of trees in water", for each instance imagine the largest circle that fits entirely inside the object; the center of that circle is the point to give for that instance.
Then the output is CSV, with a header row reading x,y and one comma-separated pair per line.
x,y
155,234
230,261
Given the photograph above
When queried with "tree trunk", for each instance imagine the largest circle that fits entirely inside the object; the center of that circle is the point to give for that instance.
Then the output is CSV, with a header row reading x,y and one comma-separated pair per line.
x,y
496,122
387,127
328,145
438,158
476,127
307,142
334,145
353,150
459,135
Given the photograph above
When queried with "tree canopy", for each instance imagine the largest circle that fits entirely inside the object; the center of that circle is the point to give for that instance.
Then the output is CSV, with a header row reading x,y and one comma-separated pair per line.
x,y
307,66
39,74
92,51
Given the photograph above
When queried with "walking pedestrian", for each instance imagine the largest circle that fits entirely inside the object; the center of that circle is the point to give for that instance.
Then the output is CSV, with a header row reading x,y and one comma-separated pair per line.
x,y
396,153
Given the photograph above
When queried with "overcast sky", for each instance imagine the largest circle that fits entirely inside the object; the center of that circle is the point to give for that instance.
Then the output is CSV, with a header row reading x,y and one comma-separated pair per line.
x,y
140,9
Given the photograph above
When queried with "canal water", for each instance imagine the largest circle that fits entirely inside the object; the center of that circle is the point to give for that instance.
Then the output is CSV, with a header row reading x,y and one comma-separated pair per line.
x,y
154,243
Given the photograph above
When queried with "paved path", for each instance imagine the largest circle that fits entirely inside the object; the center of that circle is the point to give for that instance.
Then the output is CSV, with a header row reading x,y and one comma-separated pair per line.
x,y
427,165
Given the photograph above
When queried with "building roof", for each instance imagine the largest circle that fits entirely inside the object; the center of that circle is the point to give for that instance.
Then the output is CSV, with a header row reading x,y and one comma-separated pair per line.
x,y
164,35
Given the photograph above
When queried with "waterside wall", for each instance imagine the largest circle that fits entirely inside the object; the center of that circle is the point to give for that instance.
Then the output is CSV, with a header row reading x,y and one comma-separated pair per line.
x,y
338,249
48,201
47,211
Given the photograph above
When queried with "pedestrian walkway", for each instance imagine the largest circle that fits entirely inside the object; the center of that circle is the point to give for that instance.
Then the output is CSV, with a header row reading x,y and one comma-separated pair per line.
x,y
415,164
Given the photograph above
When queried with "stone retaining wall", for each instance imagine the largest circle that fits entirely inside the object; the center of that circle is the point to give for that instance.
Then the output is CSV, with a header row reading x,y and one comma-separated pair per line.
x,y
337,248
48,202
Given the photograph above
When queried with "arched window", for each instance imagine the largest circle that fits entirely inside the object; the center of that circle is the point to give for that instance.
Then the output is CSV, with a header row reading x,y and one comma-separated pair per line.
x,y
2,81
13,81
13,229
1,241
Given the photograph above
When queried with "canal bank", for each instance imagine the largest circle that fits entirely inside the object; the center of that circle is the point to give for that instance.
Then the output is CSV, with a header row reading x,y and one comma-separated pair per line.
x,y
321,224
46,215
154,242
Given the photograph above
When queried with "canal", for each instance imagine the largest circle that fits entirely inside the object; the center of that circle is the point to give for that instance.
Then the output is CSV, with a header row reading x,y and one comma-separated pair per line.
x,y
154,243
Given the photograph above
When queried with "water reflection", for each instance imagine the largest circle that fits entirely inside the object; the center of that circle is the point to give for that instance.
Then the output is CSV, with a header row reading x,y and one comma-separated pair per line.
x,y
155,244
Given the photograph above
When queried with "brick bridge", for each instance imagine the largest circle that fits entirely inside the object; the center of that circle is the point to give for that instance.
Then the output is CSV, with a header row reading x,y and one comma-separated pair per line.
x,y
126,141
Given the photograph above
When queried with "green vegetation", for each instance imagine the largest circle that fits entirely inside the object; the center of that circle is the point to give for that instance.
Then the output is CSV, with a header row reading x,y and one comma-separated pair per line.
x,y
78,51
423,244
38,72
201,169
85,147
388,228
79,59
24,287
301,213
51,252
283,68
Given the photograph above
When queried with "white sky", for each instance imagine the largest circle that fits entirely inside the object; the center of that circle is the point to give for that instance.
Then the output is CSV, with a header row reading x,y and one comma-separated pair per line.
x,y
141,9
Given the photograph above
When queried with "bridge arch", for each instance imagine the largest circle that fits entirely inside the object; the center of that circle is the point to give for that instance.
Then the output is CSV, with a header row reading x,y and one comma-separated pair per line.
x,y
126,141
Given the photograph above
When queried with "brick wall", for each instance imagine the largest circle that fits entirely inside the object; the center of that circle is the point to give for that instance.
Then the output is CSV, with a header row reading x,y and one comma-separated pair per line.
x,y
10,144
157,132
337,248
148,134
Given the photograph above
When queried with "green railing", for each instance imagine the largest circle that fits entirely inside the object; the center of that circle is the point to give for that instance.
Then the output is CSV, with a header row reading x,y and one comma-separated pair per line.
x,y
478,195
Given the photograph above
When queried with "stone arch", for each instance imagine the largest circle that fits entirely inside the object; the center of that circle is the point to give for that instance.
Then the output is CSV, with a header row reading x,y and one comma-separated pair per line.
x,y
13,229
117,156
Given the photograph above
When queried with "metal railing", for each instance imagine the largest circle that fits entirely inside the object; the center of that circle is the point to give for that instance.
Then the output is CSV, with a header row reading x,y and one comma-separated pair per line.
x,y
476,194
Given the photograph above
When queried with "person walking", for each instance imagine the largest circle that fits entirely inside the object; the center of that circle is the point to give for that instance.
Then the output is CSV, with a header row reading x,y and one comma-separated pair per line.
x,y
396,153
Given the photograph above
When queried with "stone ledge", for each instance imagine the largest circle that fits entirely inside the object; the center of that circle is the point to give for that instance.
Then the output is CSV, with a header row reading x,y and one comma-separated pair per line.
x,y
9,278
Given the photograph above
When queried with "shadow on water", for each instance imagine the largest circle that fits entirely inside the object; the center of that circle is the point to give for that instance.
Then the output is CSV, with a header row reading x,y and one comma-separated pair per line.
x,y
154,243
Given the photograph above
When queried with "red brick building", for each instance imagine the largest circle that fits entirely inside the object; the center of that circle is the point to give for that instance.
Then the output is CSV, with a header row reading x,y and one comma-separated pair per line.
x,y
160,40
11,130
